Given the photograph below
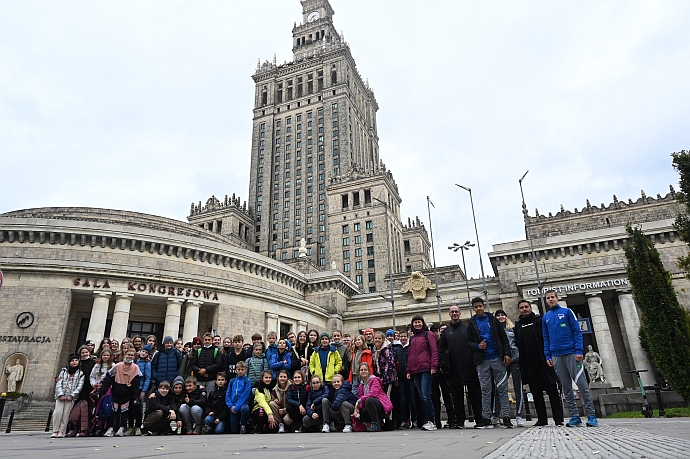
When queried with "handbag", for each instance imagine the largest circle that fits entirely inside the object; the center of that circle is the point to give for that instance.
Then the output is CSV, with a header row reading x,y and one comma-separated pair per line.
x,y
357,424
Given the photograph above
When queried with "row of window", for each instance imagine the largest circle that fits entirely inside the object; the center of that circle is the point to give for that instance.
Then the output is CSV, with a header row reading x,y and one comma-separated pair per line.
x,y
358,239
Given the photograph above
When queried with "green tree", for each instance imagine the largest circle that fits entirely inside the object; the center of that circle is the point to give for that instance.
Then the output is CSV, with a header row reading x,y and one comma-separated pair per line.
x,y
681,163
665,324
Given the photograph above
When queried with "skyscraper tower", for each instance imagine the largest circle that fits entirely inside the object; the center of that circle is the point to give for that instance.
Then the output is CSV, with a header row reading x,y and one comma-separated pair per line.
x,y
315,167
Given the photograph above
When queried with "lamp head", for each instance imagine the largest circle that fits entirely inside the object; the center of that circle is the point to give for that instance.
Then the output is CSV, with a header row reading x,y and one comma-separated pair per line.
x,y
523,176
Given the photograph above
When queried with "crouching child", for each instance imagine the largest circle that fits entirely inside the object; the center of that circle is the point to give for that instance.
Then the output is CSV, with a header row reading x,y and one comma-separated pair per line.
x,y
194,406
336,413
159,413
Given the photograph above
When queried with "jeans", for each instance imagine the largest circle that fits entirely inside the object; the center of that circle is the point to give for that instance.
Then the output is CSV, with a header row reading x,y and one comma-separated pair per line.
x,y
407,409
217,428
423,382
239,419
191,415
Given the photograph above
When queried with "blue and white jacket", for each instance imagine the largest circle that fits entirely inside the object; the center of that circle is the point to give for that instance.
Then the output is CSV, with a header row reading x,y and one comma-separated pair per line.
x,y
561,331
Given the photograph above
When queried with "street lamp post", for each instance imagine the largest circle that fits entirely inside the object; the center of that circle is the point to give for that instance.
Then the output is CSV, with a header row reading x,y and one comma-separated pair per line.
x,y
433,252
476,232
531,243
466,246
390,258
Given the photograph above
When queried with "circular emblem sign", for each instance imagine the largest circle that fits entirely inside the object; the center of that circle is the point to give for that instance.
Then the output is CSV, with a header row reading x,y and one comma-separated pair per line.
x,y
25,320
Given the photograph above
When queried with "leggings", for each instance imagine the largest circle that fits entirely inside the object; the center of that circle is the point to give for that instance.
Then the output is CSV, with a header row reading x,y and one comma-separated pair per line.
x,y
373,410
135,416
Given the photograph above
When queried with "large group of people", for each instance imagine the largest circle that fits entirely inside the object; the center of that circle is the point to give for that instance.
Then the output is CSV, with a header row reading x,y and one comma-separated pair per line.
x,y
328,382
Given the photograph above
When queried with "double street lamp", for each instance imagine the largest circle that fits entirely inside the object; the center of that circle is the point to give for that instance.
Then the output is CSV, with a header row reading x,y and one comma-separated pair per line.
x,y
476,232
466,246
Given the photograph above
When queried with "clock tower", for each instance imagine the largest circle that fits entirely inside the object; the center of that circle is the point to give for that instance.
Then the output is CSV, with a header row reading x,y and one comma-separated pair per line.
x,y
316,27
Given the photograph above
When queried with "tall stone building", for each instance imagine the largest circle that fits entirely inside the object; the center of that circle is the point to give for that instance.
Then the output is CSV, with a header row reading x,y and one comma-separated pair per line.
x,y
315,162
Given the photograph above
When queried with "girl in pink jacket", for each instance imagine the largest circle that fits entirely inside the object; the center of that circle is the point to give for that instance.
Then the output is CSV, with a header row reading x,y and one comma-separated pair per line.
x,y
373,405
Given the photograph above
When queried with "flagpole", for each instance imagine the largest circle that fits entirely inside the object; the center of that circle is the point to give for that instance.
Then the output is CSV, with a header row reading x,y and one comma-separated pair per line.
x,y
433,251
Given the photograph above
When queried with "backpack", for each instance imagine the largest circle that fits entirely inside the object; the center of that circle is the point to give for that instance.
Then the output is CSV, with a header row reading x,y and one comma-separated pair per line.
x,y
105,407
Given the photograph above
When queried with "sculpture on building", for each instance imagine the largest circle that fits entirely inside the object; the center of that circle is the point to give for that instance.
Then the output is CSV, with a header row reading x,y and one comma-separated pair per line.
x,y
302,248
593,365
418,285
15,373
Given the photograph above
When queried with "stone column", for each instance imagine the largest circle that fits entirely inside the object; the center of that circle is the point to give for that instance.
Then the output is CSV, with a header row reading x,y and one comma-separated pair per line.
x,y
632,329
172,318
301,326
99,315
123,302
271,322
191,320
603,334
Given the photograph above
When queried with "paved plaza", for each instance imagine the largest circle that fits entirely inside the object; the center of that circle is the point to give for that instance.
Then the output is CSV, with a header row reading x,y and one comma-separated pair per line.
x,y
618,438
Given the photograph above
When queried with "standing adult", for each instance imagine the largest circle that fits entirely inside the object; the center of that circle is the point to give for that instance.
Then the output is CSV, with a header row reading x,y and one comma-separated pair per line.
x,y
440,388
535,372
422,362
491,353
513,368
461,369
563,350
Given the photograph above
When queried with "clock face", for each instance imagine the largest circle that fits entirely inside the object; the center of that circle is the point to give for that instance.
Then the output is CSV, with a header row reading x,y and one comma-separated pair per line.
x,y
313,16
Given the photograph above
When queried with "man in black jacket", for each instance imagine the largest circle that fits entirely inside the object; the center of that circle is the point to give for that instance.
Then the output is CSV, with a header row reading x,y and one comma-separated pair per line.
x,y
461,369
206,363
533,367
491,352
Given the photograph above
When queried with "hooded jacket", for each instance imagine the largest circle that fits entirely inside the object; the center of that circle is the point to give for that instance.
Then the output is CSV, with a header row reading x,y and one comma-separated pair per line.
x,y
145,368
422,353
63,383
561,332
231,360
499,336
176,401
165,365
315,398
280,361
237,395
344,394
333,365
374,390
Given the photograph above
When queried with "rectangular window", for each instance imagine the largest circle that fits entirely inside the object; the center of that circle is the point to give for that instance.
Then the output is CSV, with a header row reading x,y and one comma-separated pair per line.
x,y
346,254
367,196
358,278
346,267
358,227
346,229
322,262
358,252
370,250
358,265
372,289
407,247
346,241
372,277
370,225
370,237
370,263
322,250
322,239
358,239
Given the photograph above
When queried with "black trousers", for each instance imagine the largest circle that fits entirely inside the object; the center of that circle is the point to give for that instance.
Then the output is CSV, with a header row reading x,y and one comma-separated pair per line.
x,y
373,410
474,399
440,388
539,383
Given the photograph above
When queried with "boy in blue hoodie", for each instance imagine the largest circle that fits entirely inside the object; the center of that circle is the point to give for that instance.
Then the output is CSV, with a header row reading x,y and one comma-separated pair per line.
x,y
337,413
237,399
281,360
272,347
563,349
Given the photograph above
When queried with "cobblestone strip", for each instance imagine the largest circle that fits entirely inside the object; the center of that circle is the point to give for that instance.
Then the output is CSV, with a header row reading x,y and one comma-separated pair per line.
x,y
590,442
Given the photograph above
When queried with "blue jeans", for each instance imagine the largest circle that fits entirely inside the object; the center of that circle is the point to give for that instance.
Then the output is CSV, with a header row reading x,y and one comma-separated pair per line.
x,y
217,428
407,409
423,382
239,419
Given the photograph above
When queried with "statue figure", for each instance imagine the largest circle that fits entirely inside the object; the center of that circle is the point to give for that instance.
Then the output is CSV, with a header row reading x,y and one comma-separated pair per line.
x,y
15,373
593,365
334,266
418,284
302,248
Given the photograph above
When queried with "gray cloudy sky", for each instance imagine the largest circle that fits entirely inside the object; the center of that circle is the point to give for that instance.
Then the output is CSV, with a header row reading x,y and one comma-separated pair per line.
x,y
147,106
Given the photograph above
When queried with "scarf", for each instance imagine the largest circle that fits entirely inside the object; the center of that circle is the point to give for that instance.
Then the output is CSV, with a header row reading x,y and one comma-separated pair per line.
x,y
125,375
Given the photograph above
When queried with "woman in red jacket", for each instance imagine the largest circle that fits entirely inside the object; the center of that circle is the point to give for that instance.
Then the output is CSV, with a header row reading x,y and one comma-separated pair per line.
x,y
373,405
422,362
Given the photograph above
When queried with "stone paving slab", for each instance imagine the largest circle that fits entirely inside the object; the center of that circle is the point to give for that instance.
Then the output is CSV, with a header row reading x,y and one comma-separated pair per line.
x,y
605,441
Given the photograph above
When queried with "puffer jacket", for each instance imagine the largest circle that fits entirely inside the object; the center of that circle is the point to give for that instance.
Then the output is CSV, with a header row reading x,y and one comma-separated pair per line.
x,y
256,366
297,395
315,398
145,368
280,361
165,365
208,358
63,380
344,394
333,365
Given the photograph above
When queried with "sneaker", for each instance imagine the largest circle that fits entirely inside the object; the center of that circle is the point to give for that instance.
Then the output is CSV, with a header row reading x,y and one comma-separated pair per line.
x,y
298,430
147,432
243,429
429,426
506,423
129,432
483,424
414,424
54,435
574,422
347,429
495,421
71,433
108,433
375,427
325,428
120,432
60,435
592,421
519,422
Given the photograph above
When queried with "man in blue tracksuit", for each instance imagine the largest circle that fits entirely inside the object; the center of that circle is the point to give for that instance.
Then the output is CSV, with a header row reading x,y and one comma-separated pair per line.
x,y
563,350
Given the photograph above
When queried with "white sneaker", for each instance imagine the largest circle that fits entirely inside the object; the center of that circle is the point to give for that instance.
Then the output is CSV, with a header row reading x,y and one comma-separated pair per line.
x,y
109,432
347,429
429,426
120,432
519,422
281,428
325,428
